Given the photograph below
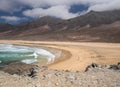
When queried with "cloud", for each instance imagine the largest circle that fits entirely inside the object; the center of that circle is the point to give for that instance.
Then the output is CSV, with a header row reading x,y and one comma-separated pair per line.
x,y
57,8
56,11
10,18
10,6
44,3
14,5
104,5
99,5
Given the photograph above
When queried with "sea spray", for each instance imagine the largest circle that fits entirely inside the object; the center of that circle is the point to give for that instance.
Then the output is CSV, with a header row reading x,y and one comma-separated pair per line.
x,y
9,53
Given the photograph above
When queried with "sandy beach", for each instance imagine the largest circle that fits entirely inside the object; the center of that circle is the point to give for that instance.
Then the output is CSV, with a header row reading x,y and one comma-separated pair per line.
x,y
77,56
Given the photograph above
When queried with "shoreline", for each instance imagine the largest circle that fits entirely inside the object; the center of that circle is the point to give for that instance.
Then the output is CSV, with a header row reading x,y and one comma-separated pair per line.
x,y
76,56
60,55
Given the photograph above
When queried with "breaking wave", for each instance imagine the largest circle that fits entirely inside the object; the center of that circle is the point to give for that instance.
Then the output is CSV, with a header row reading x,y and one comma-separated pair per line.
x,y
9,53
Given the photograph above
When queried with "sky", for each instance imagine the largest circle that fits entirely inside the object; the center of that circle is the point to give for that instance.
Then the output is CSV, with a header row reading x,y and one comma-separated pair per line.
x,y
17,11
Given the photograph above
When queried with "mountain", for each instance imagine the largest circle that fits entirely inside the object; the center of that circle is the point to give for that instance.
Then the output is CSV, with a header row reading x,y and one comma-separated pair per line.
x,y
93,26
5,27
96,18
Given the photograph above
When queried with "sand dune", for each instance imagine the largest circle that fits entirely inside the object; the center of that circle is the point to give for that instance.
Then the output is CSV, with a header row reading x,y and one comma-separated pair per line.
x,y
77,55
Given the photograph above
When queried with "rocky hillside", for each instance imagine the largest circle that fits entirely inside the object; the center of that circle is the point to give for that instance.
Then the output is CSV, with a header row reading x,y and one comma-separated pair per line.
x,y
93,26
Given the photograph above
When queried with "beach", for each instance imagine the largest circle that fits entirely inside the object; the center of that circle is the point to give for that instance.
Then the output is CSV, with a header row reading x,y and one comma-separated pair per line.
x,y
78,64
76,56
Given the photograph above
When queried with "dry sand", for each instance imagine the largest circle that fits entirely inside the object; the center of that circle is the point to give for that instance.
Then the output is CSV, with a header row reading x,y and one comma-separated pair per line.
x,y
77,55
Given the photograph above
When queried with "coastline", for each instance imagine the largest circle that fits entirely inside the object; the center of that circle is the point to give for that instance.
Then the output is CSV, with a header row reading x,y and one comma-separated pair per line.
x,y
76,56
60,55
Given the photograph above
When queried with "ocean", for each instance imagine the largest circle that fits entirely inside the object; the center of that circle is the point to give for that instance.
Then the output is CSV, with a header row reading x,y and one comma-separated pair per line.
x,y
13,53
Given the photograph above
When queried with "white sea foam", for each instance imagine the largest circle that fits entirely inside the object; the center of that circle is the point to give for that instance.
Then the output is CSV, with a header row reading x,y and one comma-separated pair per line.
x,y
35,55
12,48
24,49
45,53
29,61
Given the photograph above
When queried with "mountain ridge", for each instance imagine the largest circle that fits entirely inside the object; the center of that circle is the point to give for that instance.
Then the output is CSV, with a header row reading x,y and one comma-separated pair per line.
x,y
93,26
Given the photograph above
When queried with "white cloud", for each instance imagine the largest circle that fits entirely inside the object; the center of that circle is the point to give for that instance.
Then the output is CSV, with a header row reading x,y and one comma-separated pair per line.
x,y
57,8
43,3
104,5
10,18
99,5
10,5
56,11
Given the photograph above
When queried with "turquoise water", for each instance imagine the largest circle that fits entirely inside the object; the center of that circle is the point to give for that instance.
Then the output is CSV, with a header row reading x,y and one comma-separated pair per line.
x,y
13,53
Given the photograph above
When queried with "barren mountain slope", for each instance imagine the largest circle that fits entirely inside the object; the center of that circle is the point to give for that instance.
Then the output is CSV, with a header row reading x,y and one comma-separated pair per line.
x,y
93,26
